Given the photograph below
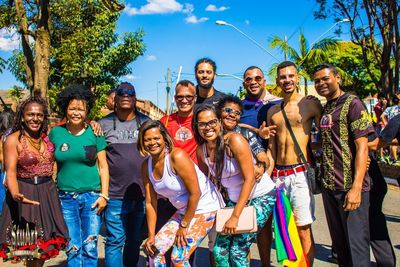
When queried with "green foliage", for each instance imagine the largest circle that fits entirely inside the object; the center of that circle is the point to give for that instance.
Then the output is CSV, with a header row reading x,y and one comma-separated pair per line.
x,y
2,64
306,57
16,93
84,47
348,59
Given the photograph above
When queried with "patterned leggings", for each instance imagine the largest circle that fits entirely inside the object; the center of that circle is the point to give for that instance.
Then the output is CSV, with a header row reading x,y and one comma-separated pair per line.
x,y
232,250
199,227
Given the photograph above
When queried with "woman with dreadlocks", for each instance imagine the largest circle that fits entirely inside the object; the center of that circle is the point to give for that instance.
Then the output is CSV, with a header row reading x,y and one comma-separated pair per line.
x,y
32,227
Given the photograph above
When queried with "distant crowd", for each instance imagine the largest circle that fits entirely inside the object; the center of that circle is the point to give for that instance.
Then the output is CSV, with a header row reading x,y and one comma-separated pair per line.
x,y
211,169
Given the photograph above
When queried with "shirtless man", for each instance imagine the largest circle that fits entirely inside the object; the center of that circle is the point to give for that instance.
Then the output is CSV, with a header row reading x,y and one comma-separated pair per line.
x,y
289,172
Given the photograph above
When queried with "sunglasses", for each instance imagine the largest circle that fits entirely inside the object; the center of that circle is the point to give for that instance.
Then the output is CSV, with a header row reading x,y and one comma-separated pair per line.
x,y
209,124
231,110
250,79
187,97
124,91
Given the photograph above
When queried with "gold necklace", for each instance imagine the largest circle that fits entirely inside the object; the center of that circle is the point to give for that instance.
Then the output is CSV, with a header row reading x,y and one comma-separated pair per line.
x,y
35,144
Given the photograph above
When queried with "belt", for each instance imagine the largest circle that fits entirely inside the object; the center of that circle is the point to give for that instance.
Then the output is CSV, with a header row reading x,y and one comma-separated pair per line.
x,y
35,179
279,173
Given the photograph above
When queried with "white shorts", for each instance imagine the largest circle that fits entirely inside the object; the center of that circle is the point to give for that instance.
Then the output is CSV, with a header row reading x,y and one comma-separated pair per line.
x,y
301,199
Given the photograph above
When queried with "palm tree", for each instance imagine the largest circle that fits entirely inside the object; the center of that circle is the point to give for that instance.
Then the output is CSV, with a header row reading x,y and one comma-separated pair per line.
x,y
307,56
2,64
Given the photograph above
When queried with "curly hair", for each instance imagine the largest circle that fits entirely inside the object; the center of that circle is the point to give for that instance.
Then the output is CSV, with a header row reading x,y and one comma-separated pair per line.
x,y
74,92
18,123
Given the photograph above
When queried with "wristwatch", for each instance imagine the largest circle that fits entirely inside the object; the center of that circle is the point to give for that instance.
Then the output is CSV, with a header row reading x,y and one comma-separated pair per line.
x,y
183,224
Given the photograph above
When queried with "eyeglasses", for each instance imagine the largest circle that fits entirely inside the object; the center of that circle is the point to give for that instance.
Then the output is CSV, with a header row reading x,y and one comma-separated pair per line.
x,y
124,91
210,124
231,110
187,97
250,79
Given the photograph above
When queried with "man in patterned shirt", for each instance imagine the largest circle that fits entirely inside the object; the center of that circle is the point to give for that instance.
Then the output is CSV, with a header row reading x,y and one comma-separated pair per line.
x,y
345,128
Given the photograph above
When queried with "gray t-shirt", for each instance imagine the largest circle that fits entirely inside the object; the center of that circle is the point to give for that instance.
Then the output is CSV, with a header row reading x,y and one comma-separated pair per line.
x,y
123,158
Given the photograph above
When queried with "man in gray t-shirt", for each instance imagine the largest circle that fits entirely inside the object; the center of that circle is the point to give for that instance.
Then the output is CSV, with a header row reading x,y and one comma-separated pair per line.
x,y
125,214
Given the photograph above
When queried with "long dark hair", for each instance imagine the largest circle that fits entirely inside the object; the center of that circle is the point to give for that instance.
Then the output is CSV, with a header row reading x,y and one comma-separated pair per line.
x,y
18,124
150,124
220,145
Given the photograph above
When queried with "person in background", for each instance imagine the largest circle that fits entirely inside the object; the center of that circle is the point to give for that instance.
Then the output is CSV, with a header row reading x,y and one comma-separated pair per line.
x,y
388,114
110,103
124,216
6,122
205,72
228,160
170,172
82,174
32,205
378,110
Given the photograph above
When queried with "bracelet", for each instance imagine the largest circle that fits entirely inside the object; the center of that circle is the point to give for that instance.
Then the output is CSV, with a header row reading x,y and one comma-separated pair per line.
x,y
104,196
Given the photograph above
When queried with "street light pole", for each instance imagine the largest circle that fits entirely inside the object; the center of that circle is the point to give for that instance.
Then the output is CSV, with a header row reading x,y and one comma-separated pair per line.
x,y
224,23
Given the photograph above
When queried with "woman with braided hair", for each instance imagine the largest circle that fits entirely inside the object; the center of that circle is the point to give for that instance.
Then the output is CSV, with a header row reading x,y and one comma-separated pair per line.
x,y
32,212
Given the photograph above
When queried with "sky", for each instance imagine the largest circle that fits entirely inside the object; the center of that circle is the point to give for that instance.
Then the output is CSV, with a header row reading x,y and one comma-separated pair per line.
x,y
179,32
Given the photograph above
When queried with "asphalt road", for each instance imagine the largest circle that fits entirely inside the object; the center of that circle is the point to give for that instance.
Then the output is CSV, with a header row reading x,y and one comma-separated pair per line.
x,y
320,230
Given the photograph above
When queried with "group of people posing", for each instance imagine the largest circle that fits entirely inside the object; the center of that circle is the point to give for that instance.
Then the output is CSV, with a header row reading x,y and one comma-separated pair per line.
x,y
173,175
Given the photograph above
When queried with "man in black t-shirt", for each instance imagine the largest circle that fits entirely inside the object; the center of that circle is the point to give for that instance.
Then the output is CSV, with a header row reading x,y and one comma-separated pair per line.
x,y
205,71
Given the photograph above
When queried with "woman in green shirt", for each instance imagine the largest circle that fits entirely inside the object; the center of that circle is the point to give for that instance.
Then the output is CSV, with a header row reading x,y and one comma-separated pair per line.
x,y
82,174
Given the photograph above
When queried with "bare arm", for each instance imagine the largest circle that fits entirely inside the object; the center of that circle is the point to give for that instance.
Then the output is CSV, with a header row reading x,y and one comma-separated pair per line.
x,y
353,197
11,153
151,208
271,146
101,202
254,129
241,152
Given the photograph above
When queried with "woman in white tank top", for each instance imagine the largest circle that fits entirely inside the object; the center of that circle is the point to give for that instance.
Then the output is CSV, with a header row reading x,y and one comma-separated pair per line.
x,y
228,159
170,172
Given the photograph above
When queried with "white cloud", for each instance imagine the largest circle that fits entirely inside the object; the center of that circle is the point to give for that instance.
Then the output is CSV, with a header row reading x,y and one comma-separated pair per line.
x,y
193,19
9,39
151,58
247,22
214,8
155,7
130,77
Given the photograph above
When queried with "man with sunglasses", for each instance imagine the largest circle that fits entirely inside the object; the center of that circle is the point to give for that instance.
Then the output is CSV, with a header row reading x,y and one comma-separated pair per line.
x,y
124,216
205,71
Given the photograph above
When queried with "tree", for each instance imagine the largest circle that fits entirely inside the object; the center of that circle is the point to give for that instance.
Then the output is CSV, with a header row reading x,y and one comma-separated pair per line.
x,y
84,47
348,60
374,26
16,93
306,58
2,64
69,41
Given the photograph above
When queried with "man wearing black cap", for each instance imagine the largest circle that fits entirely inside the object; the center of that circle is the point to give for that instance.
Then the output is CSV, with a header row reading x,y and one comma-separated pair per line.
x,y
124,215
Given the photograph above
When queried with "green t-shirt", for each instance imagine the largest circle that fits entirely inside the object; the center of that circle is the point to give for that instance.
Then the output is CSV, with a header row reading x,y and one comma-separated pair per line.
x,y
76,158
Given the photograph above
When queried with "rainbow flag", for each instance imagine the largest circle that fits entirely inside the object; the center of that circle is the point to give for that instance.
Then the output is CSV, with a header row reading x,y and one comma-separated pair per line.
x,y
287,242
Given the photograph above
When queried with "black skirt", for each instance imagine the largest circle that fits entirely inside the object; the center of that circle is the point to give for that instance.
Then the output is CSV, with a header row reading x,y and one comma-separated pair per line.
x,y
47,230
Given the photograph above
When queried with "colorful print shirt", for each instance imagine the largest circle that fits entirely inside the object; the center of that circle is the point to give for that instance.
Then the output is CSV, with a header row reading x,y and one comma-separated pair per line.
x,y
343,121
392,111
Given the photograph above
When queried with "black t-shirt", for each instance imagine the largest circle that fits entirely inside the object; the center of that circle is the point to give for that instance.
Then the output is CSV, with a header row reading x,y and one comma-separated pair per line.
x,y
392,130
212,100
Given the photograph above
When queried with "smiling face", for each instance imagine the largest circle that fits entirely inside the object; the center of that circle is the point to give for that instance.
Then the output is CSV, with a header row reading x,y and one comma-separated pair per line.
x,y
288,79
125,101
33,117
76,112
230,116
205,75
153,142
254,83
327,83
185,97
208,125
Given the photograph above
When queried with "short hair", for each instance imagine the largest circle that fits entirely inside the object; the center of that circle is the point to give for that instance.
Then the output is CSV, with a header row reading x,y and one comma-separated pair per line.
x,y
74,92
381,95
226,100
20,113
184,83
326,66
150,124
112,90
252,68
284,64
395,100
206,60
6,120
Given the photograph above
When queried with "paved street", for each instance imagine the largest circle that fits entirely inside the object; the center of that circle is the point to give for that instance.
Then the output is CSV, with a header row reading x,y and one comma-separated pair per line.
x,y
320,230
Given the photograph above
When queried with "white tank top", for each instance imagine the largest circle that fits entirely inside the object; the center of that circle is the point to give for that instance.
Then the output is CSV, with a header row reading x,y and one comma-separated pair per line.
x,y
172,187
232,180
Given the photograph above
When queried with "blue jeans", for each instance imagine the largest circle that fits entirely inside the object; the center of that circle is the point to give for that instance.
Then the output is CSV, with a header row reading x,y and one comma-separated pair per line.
x,y
2,192
83,225
124,221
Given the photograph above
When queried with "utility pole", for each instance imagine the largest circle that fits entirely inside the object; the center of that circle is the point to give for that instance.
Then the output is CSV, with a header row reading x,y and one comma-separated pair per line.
x,y
168,88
